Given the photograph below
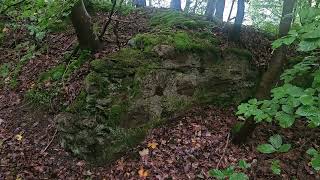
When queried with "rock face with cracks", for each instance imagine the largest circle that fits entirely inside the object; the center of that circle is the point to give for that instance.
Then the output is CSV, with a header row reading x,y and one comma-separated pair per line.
x,y
124,98
133,90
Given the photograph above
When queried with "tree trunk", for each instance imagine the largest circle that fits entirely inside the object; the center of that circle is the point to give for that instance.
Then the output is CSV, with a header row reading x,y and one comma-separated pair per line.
x,y
187,7
195,7
175,5
83,26
229,16
140,3
150,3
211,5
235,34
271,76
220,9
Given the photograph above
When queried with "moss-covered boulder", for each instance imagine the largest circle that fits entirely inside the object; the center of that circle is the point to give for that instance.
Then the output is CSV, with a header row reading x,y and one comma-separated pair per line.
x,y
131,91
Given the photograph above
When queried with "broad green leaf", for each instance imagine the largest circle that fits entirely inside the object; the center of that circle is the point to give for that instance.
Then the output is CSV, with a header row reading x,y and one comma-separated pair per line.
x,y
285,120
266,148
244,165
306,99
307,46
307,111
313,34
315,162
284,148
293,90
216,173
287,108
253,101
238,176
228,171
312,152
275,141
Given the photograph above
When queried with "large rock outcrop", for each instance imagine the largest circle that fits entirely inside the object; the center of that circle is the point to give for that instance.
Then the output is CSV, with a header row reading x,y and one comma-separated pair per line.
x,y
131,91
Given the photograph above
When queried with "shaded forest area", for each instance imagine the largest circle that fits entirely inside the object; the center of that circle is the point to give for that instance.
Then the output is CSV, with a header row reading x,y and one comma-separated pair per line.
x,y
140,89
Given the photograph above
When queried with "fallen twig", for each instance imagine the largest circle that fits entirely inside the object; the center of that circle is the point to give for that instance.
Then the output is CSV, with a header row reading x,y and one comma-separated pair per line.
x,y
54,135
224,151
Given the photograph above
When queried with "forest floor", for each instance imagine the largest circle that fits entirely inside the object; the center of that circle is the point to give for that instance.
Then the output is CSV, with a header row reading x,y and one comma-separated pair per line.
x,y
185,148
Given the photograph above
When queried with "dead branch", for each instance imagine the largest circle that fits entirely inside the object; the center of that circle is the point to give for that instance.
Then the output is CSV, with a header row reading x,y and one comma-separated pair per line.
x,y
114,2
224,151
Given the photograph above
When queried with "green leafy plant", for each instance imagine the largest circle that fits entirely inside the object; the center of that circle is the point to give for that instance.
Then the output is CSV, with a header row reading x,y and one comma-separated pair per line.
x,y
274,146
231,172
315,161
275,167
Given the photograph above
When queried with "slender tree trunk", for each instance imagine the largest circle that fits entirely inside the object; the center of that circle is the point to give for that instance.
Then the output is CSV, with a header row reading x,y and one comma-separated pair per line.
x,y
187,7
175,5
235,34
220,9
83,26
211,5
229,17
150,3
140,3
271,76
195,7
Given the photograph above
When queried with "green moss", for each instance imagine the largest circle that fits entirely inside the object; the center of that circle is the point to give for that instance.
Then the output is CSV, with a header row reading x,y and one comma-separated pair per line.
x,y
54,74
128,55
174,19
41,98
79,104
115,113
180,40
175,104
106,6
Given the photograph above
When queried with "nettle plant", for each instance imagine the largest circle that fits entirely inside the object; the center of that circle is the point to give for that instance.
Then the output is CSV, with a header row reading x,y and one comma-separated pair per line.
x,y
291,101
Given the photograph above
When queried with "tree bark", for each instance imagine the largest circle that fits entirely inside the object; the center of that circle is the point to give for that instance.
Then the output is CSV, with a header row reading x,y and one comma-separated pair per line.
x,y
187,7
175,5
83,26
220,9
271,76
211,5
235,34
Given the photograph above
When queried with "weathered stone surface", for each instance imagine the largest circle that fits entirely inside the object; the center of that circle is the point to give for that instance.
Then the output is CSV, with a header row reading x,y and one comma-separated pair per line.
x,y
126,97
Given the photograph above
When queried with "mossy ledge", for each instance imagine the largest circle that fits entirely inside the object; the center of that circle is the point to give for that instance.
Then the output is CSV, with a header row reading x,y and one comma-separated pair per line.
x,y
162,73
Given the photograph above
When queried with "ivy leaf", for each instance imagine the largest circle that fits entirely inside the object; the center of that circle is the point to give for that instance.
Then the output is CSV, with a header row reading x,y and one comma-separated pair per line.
x,y
275,141
266,148
306,99
216,173
284,148
285,120
238,176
